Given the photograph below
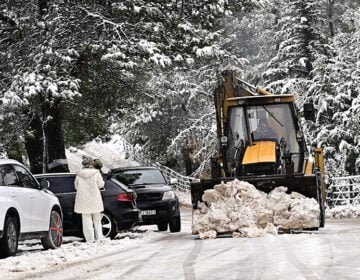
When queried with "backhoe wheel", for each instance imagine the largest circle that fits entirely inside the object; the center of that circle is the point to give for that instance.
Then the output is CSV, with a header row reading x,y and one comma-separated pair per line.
x,y
9,241
162,226
54,237
175,224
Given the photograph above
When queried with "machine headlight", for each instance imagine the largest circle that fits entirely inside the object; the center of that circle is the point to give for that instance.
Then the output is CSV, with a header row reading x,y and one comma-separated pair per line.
x,y
168,195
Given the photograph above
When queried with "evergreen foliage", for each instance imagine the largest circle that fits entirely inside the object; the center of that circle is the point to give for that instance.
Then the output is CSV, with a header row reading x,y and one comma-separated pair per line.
x,y
71,71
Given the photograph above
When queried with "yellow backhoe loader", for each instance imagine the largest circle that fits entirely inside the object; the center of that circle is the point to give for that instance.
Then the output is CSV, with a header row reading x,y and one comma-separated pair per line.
x,y
260,141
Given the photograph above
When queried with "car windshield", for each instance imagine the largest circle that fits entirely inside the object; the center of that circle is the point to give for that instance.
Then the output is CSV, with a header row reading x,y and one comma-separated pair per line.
x,y
140,177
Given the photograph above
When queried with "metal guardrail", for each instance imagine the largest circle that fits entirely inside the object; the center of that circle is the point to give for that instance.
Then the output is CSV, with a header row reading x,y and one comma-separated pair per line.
x,y
343,191
183,182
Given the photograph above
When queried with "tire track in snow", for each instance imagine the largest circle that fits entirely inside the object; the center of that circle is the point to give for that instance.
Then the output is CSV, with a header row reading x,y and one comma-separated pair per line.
x,y
300,266
252,266
190,260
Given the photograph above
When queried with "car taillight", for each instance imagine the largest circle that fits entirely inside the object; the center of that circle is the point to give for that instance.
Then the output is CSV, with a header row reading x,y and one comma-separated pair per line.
x,y
126,197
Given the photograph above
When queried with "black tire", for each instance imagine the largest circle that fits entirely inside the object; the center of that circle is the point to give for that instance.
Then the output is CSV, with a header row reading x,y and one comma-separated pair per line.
x,y
10,239
175,224
54,237
108,226
162,226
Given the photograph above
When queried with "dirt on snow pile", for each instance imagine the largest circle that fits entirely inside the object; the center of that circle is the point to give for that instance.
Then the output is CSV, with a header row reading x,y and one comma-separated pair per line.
x,y
239,208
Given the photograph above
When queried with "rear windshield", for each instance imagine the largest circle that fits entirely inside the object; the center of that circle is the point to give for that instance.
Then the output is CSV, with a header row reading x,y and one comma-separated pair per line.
x,y
139,177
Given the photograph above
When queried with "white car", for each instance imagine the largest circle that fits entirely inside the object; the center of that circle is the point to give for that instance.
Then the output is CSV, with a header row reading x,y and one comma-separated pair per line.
x,y
27,209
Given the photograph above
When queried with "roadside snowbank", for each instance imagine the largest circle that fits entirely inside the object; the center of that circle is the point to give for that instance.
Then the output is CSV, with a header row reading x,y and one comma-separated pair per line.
x,y
343,212
239,208
32,260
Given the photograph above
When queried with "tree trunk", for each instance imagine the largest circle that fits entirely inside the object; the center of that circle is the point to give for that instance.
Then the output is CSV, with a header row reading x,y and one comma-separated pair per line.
x,y
55,139
47,154
188,164
330,16
34,145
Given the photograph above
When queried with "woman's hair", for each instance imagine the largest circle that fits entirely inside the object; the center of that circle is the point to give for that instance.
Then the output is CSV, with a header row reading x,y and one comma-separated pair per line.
x,y
87,161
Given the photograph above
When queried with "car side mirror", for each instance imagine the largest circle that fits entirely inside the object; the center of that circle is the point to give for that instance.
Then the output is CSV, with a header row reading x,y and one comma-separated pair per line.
x,y
44,184
173,181
309,112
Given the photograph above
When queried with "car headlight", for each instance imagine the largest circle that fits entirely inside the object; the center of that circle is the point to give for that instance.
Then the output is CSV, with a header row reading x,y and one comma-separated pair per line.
x,y
168,195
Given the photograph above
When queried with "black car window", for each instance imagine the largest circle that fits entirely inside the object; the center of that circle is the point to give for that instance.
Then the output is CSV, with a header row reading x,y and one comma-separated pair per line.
x,y
61,184
137,177
9,175
25,178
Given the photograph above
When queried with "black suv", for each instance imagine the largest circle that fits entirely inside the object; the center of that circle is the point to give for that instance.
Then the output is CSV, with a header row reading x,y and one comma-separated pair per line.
x,y
156,198
120,210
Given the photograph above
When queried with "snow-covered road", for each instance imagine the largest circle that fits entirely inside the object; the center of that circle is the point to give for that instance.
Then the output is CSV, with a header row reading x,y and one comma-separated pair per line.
x,y
330,253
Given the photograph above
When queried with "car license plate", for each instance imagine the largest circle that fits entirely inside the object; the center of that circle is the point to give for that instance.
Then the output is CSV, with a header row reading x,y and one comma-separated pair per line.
x,y
148,212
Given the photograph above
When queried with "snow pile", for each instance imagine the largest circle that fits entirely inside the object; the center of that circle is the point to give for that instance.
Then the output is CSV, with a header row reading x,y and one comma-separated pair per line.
x,y
237,207
343,212
23,266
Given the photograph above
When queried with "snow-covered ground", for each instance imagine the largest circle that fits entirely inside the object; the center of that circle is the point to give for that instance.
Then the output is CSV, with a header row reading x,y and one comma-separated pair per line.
x,y
32,260
343,212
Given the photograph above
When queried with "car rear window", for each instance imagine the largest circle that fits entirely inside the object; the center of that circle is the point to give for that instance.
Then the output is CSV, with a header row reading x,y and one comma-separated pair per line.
x,y
61,184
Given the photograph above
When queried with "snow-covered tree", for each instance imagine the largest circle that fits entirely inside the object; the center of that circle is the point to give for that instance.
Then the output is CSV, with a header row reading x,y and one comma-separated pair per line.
x,y
301,41
177,125
39,67
75,70
127,36
337,101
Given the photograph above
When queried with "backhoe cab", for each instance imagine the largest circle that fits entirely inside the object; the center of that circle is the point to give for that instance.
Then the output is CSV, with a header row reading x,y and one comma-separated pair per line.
x,y
262,137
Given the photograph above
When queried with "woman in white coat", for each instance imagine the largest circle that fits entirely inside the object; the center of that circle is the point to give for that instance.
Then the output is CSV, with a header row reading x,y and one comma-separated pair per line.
x,y
88,200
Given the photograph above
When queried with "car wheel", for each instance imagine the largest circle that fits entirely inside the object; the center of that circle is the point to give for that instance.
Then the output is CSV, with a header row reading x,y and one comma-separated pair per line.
x,y
9,241
108,226
54,237
162,226
175,224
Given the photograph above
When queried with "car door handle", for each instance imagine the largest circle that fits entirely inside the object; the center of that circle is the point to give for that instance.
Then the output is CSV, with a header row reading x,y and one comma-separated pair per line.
x,y
13,194
31,195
